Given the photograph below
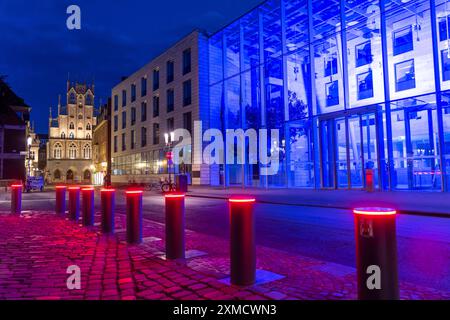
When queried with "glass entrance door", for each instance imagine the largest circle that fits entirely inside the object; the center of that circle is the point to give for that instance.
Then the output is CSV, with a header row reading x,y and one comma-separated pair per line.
x,y
349,146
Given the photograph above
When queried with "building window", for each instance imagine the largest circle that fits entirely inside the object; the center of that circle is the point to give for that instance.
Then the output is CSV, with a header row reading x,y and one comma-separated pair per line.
x,y
365,85
72,98
71,126
187,93
116,122
405,75
445,56
170,71
187,121
124,119
363,53
71,135
115,143
144,111
124,142
186,61
87,152
116,102
332,91
72,151
63,135
170,124
57,151
155,106
133,92
88,126
403,40
89,100
133,139
143,136
133,116
443,28
143,86
170,100
57,174
124,98
156,133
331,66
88,136
155,79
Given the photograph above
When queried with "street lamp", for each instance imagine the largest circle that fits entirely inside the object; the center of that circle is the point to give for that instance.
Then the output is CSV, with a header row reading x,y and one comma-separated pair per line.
x,y
169,138
29,142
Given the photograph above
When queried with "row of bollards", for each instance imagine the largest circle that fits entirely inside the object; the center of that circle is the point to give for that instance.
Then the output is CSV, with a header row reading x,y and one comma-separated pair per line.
x,y
375,234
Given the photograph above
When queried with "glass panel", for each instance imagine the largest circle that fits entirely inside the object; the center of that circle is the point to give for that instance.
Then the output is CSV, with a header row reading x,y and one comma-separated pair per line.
x,y
298,77
327,153
301,166
341,152
408,30
356,158
296,24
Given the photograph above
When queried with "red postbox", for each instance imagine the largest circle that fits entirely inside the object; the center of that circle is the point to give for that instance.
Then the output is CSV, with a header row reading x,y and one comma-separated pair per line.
x,y
60,194
242,241
74,203
175,238
88,195
108,199
134,216
16,198
376,253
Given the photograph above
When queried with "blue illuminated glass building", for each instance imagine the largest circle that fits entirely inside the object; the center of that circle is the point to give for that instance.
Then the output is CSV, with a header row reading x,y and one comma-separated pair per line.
x,y
351,84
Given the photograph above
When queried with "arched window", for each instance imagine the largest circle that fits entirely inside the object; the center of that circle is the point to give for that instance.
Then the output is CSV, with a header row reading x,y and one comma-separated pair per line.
x,y
72,98
71,135
88,126
71,126
57,151
87,152
72,151
89,99
57,174
87,176
63,135
88,136
80,116
69,175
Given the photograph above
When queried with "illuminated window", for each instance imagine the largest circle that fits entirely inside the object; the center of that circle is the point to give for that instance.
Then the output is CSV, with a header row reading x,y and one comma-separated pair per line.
x,y
87,152
332,91
72,151
331,66
365,85
403,40
57,151
405,75
363,54
445,56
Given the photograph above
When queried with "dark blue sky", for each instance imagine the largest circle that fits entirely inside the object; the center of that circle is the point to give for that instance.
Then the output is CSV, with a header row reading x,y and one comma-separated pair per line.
x,y
116,38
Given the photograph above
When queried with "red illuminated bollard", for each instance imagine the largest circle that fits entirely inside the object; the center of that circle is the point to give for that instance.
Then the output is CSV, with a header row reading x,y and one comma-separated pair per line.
x,y
74,203
108,198
175,248
60,207
88,206
242,237
134,216
376,253
16,198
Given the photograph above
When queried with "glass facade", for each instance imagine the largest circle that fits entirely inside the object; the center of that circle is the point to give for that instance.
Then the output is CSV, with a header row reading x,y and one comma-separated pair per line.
x,y
351,85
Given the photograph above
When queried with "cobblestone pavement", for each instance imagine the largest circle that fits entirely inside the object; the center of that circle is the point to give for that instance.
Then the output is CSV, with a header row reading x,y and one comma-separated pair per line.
x,y
37,247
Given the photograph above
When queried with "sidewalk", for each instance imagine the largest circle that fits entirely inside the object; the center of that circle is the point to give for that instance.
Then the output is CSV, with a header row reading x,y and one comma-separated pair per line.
x,y
412,202
37,248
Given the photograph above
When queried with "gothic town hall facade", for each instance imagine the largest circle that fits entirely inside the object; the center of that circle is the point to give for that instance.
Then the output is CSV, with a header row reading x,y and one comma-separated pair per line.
x,y
69,149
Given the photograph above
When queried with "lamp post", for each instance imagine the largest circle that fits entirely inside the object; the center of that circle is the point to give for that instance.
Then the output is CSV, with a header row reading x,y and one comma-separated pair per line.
x,y
169,139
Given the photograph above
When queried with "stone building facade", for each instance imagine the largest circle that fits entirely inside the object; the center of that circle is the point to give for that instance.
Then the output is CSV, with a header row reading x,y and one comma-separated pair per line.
x,y
69,148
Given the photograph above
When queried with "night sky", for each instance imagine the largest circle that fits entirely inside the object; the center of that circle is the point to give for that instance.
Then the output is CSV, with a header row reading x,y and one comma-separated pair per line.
x,y
116,38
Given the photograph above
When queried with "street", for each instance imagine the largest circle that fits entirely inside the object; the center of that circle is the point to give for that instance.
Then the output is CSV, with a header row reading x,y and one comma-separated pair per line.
x,y
323,234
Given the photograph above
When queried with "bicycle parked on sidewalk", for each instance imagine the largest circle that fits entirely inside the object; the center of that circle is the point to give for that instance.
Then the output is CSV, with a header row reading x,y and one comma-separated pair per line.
x,y
164,185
